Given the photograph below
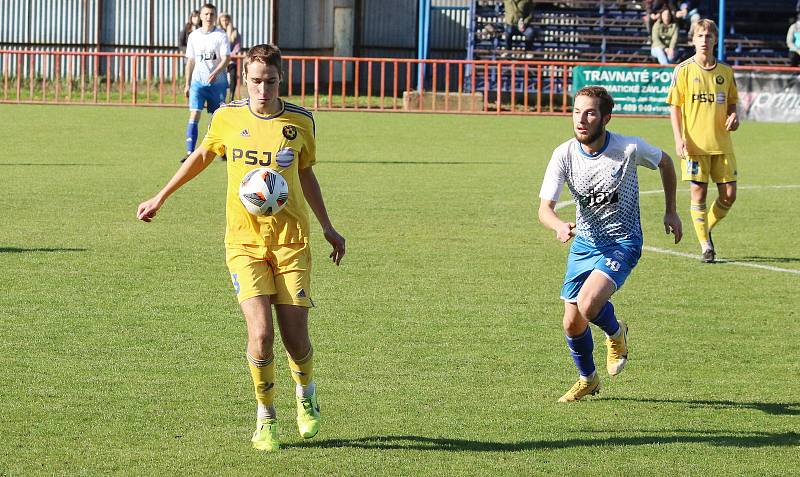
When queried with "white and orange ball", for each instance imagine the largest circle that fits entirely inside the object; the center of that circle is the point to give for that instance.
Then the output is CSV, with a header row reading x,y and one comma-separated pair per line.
x,y
263,192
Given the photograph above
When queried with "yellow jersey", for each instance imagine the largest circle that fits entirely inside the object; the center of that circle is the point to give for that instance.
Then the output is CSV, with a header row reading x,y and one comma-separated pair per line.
x,y
284,142
703,96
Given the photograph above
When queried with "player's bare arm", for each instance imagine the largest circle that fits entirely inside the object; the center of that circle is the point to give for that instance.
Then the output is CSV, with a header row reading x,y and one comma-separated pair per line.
x,y
676,118
313,195
732,121
672,221
551,220
194,165
221,67
187,73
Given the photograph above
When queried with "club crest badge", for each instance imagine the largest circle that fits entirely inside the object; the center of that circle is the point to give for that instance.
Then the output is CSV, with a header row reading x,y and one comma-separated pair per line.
x,y
290,132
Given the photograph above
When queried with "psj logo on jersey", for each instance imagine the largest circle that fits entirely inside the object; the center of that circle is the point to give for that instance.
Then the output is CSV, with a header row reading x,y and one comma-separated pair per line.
x,y
598,198
251,158
703,98
708,98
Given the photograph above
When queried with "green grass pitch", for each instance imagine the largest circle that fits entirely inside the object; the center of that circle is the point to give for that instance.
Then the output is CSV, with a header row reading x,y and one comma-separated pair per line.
x,y
438,342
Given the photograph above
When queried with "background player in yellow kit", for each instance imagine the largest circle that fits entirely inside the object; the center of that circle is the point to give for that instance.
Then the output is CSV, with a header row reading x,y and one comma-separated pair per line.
x,y
268,257
703,99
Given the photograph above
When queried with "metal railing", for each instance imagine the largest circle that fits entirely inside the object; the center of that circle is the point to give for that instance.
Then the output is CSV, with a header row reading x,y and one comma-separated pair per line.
x,y
317,83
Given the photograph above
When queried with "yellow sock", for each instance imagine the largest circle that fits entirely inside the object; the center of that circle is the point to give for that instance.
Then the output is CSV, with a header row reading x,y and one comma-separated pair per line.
x,y
717,213
302,369
700,222
263,373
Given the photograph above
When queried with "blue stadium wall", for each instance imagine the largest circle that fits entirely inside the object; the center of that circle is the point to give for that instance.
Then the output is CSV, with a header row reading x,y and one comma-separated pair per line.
x,y
389,28
118,25
382,27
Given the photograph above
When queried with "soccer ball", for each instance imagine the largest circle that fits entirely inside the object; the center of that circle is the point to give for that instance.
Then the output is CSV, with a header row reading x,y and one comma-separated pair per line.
x,y
263,192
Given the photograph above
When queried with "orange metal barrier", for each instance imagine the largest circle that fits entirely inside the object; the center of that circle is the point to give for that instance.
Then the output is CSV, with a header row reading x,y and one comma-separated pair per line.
x,y
317,83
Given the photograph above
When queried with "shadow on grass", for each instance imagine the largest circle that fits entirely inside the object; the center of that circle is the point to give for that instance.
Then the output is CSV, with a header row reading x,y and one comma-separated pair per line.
x,y
775,408
433,163
34,250
756,258
50,164
407,442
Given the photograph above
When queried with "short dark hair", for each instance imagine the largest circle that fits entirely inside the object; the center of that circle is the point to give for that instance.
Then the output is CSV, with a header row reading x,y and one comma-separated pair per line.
x,y
210,6
606,101
264,53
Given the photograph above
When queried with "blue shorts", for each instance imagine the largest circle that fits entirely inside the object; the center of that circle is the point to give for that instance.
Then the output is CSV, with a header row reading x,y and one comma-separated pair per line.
x,y
210,95
616,261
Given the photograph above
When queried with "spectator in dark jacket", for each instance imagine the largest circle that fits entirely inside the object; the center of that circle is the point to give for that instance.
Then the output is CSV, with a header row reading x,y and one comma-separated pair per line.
x,y
518,19
687,16
653,11
190,26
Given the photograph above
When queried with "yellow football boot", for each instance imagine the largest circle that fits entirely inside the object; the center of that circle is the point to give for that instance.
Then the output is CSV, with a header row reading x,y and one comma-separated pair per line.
x,y
308,418
581,389
266,436
617,354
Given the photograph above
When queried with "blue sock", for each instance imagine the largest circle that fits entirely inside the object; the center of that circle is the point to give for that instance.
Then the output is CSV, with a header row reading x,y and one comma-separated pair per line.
x,y
580,347
606,319
191,136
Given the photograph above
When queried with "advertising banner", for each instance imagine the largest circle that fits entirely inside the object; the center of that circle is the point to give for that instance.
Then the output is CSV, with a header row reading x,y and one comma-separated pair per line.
x,y
769,96
763,95
636,89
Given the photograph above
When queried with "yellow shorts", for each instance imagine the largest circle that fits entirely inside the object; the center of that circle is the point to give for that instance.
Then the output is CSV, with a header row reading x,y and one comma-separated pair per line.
x,y
283,272
720,168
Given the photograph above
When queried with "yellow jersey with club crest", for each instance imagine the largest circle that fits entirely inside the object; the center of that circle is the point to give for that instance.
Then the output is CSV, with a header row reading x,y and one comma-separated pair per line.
x,y
283,142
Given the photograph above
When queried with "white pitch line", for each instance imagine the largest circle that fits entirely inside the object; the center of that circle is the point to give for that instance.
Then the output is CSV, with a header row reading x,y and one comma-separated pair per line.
x,y
565,203
722,262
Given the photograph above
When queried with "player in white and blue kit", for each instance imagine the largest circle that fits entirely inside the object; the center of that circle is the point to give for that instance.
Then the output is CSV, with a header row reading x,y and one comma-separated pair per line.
x,y
208,53
599,168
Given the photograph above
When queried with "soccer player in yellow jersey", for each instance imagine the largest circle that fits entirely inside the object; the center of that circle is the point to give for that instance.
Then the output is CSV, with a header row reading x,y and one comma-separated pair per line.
x,y
268,257
702,101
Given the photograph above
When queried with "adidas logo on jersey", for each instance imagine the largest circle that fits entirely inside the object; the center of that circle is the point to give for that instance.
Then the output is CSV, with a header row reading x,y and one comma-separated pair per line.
x,y
245,133
301,293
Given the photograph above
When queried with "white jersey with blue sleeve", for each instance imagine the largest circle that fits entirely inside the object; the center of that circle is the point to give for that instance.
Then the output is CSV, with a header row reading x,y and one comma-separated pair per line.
x,y
208,49
604,186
